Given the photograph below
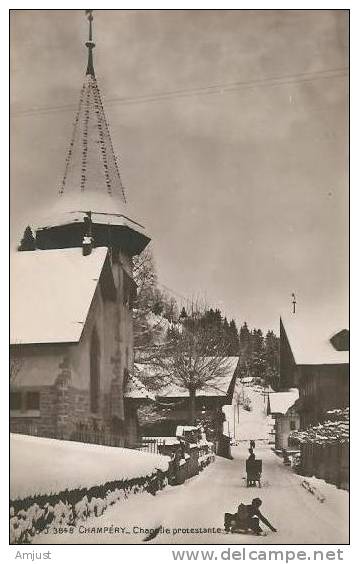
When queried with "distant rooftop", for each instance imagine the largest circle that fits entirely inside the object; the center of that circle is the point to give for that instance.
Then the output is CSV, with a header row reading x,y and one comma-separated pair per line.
x,y
280,402
136,390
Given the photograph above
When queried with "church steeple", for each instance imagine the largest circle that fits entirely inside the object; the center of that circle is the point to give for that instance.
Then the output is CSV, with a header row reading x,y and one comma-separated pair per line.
x,y
91,181
91,163
90,45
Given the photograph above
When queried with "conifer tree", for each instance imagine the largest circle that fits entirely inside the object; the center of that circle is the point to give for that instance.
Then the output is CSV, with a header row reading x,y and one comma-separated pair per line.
x,y
28,242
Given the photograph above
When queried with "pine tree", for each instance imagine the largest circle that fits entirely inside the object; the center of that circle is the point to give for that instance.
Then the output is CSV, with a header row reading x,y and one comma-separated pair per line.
x,y
233,339
244,337
271,345
183,313
28,242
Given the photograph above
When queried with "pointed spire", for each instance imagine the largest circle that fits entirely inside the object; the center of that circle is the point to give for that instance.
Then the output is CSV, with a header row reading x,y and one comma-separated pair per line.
x,y
90,45
91,164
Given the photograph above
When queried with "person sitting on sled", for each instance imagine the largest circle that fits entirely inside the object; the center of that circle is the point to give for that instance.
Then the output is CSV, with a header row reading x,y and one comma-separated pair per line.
x,y
247,518
251,458
255,516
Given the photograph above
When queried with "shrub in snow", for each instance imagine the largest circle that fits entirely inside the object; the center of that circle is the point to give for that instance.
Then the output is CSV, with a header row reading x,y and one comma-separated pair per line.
x,y
62,513
97,506
15,530
81,509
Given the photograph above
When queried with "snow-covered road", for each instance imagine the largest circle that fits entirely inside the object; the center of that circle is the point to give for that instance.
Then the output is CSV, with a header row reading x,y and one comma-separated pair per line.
x,y
202,501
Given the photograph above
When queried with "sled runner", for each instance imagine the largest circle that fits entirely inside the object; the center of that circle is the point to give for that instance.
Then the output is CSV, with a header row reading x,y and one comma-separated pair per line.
x,y
237,522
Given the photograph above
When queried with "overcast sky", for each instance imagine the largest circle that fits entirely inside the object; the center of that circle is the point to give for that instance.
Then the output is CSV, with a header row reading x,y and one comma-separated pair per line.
x,y
243,187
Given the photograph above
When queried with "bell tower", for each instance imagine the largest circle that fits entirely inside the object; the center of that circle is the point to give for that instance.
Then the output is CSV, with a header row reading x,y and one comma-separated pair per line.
x,y
91,208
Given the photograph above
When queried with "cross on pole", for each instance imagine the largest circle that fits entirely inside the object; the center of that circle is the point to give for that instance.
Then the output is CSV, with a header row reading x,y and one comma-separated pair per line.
x,y
293,302
90,18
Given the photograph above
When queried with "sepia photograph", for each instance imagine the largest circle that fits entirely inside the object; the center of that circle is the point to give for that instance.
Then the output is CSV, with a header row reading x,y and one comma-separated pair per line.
x,y
179,277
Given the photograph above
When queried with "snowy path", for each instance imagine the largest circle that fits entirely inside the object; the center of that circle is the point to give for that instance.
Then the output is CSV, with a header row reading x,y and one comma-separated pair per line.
x,y
202,501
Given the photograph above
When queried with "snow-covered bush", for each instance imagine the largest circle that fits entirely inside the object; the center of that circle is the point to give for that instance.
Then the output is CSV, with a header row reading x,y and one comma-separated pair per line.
x,y
30,516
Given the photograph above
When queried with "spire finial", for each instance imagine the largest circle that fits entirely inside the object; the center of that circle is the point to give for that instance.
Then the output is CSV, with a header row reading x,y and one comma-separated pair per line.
x,y
294,302
90,44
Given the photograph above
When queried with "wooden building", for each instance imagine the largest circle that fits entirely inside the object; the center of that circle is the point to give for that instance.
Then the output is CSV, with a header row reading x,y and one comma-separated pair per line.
x,y
314,357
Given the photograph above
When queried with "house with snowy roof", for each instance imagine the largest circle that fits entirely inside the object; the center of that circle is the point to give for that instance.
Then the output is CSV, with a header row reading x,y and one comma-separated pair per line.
x,y
283,410
314,356
72,291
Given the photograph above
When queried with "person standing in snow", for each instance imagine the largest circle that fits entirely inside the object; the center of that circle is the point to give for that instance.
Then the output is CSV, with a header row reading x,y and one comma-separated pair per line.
x,y
252,444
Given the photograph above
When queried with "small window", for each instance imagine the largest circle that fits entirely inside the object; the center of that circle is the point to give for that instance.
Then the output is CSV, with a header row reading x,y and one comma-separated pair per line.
x,y
33,401
15,401
292,425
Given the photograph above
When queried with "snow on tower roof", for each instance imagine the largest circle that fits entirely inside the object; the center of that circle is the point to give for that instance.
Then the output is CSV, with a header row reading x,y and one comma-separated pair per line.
x,y
51,294
280,402
309,337
91,179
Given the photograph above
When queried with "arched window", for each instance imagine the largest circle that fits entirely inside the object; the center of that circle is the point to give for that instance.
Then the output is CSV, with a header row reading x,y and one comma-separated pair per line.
x,y
95,373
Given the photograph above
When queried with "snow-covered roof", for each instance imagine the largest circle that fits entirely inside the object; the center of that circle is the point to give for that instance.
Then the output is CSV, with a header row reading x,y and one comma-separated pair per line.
x,y
247,379
136,390
51,293
280,402
184,428
217,386
70,208
309,338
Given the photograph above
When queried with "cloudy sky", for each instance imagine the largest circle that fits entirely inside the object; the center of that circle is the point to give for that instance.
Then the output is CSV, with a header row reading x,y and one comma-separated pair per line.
x,y
231,130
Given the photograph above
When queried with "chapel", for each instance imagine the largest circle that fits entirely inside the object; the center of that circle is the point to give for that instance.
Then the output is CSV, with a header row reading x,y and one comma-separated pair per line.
x,y
72,294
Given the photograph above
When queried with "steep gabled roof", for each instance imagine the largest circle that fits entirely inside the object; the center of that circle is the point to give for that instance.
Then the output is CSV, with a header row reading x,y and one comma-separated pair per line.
x,y
309,338
51,294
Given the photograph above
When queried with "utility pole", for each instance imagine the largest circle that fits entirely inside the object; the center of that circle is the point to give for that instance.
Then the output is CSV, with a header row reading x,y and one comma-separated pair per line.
x,y
234,421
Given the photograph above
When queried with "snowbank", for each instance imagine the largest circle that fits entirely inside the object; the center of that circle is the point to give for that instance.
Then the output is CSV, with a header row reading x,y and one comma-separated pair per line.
x,y
43,466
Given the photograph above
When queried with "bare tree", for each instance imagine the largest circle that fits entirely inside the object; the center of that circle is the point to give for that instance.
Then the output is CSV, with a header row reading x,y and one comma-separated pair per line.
x,y
15,363
148,322
194,358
